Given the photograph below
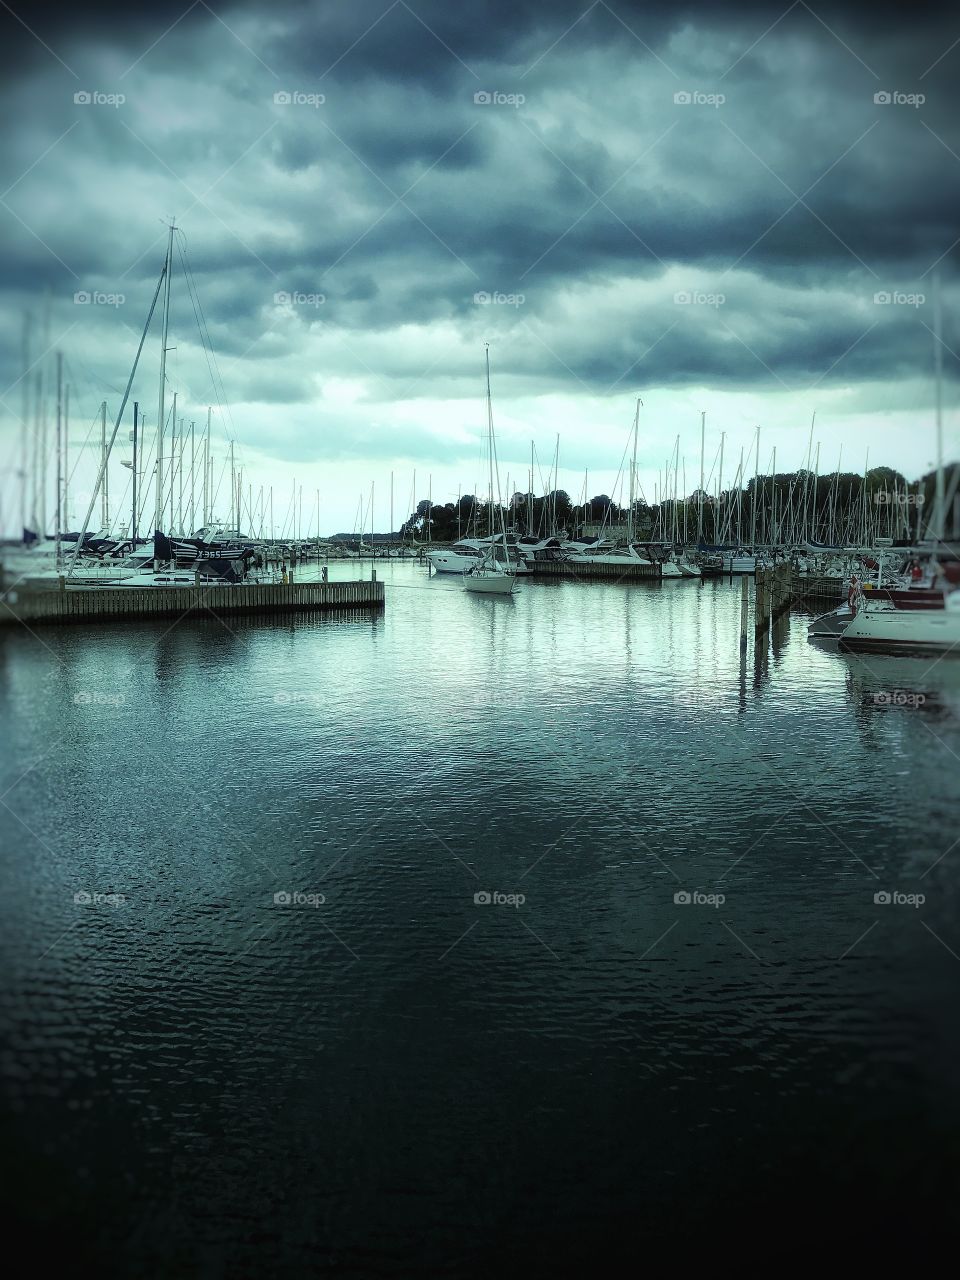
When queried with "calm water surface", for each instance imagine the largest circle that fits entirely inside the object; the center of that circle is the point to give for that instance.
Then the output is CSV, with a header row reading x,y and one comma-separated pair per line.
x,y
401,1078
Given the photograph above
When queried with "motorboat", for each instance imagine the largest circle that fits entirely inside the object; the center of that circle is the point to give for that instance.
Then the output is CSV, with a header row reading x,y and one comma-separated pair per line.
x,y
634,553
877,626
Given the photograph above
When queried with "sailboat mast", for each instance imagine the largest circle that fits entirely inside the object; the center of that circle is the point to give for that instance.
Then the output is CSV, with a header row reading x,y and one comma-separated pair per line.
x,y
530,496
105,491
59,452
25,426
719,512
133,472
940,497
180,479
193,477
66,457
633,471
165,330
703,437
206,474
753,504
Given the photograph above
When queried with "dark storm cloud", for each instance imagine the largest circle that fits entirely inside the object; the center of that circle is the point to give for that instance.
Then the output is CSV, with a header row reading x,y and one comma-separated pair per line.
x,y
400,198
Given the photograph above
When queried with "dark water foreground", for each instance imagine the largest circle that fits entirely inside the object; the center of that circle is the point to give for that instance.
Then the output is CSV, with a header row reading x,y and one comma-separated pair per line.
x,y
702,1028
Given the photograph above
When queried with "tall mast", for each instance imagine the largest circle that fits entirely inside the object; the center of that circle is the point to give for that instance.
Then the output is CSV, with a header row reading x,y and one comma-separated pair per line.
x,y
25,426
193,478
940,498
633,470
35,469
806,479
489,431
233,492
530,497
133,520
42,424
753,504
173,455
105,491
206,474
59,453
719,511
165,331
816,486
180,480
66,457
703,430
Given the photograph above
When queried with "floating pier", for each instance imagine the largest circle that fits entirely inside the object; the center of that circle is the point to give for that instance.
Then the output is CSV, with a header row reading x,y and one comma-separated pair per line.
x,y
117,604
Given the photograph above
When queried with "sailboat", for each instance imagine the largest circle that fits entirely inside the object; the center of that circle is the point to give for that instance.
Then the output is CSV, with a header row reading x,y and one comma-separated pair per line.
x,y
487,576
927,629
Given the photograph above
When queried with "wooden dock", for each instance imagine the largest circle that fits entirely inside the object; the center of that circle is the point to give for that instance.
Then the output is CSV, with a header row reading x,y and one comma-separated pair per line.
x,y
121,604
626,572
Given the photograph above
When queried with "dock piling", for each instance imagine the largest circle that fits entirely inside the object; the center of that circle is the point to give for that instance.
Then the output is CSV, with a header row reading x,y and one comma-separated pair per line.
x,y
744,611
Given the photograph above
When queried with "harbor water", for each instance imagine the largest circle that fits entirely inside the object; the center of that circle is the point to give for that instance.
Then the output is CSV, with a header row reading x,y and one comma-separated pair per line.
x,y
475,931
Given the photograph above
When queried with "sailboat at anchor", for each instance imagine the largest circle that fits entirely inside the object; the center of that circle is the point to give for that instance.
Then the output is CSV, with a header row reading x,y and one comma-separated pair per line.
x,y
487,576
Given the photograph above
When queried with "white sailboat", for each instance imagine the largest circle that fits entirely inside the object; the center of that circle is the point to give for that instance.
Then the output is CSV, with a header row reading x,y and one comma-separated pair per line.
x,y
487,576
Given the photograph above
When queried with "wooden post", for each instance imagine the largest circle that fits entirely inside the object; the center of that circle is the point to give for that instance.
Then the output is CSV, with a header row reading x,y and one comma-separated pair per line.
x,y
744,609
762,599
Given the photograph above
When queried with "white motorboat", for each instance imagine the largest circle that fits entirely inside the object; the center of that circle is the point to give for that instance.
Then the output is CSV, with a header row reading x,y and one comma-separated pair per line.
x,y
466,553
633,553
878,627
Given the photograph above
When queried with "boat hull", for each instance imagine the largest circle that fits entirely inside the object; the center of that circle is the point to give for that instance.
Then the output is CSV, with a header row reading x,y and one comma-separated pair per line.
x,y
489,584
923,630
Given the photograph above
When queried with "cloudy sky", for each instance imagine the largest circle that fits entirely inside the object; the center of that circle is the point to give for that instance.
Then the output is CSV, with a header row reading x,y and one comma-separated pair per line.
x,y
740,211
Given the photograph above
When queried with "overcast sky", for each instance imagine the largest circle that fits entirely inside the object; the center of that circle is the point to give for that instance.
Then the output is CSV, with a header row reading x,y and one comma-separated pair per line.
x,y
737,210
